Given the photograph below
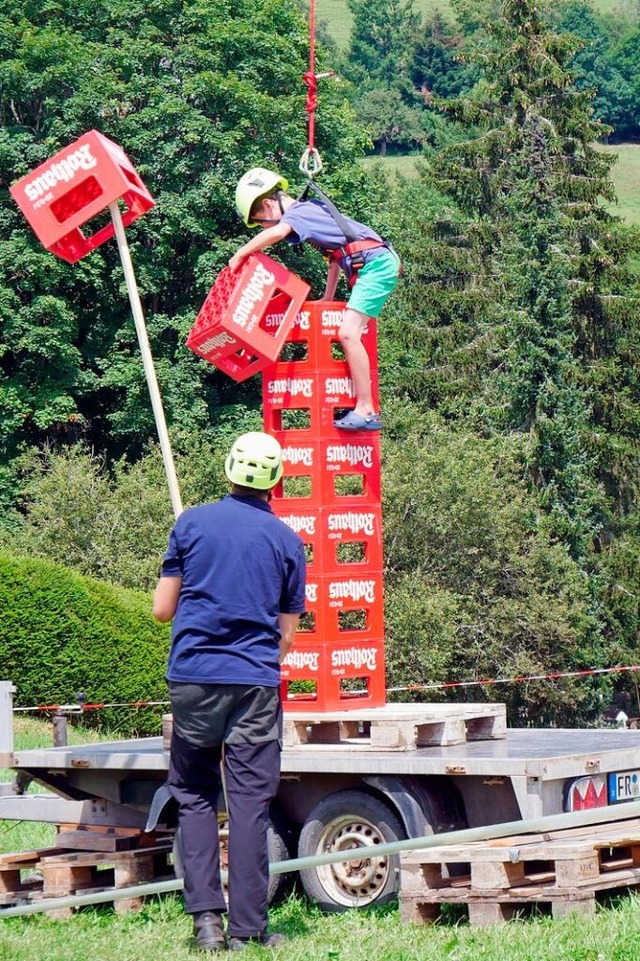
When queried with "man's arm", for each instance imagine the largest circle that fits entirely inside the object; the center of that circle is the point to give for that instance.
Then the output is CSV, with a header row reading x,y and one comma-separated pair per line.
x,y
288,625
165,599
267,237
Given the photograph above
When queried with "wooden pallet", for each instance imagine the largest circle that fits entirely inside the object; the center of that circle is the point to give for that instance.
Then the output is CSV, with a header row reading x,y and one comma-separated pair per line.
x,y
396,726
58,872
565,869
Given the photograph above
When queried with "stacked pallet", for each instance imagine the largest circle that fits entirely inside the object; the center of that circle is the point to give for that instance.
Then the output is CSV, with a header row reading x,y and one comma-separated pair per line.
x,y
494,879
85,861
403,727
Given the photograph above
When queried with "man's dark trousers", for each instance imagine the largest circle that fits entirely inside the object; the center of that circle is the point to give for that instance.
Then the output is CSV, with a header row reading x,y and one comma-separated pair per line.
x,y
252,774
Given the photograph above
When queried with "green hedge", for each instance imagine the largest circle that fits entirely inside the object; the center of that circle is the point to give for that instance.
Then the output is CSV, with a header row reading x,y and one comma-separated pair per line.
x,y
62,633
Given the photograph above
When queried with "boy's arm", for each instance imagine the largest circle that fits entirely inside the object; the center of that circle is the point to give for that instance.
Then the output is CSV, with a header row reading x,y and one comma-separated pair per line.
x,y
271,235
333,275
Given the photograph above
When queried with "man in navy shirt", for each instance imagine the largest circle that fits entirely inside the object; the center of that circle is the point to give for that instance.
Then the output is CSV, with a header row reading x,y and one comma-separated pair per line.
x,y
233,580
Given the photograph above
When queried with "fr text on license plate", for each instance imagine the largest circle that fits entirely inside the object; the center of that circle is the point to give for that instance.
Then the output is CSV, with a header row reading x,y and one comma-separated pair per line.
x,y
623,786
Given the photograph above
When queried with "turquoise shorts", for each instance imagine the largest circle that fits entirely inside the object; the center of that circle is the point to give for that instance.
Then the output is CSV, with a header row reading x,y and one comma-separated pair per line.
x,y
375,284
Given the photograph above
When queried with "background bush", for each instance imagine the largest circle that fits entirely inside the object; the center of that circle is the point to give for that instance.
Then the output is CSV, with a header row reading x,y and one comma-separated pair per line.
x,y
63,633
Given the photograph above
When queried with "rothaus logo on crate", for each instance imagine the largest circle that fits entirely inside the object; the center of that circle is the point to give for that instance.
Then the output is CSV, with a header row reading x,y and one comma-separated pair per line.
x,y
349,455
354,659
337,388
217,343
291,388
300,523
302,660
298,456
41,189
357,590
330,321
311,592
273,321
355,523
253,291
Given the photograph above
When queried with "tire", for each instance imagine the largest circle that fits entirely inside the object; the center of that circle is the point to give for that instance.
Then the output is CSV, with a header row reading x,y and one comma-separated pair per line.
x,y
277,846
342,821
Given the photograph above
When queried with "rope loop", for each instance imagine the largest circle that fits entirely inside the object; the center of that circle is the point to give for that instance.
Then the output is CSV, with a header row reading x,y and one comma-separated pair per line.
x,y
310,162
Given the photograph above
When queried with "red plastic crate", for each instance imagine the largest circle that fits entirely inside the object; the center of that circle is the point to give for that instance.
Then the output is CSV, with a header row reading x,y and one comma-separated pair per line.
x,y
291,386
316,327
74,186
231,330
343,528
343,606
331,532
307,523
333,669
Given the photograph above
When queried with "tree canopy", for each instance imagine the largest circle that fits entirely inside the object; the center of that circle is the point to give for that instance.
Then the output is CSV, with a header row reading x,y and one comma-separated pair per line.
x,y
195,93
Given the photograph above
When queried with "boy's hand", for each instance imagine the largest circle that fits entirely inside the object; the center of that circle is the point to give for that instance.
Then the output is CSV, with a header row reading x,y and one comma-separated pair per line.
x,y
236,262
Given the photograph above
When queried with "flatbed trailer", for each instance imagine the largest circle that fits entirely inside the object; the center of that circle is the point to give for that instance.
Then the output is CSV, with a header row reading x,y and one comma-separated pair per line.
x,y
335,797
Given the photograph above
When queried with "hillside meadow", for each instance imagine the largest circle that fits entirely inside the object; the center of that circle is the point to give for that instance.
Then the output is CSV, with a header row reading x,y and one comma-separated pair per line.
x,y
625,174
339,20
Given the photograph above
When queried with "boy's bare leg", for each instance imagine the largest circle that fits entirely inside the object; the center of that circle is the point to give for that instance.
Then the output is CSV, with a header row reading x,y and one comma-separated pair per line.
x,y
350,336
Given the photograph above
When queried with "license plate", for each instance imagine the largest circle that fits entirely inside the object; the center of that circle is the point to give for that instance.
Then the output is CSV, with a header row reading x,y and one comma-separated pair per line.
x,y
623,786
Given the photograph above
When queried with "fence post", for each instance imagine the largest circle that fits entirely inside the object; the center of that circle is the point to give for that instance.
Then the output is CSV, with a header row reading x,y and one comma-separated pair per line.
x,y
7,690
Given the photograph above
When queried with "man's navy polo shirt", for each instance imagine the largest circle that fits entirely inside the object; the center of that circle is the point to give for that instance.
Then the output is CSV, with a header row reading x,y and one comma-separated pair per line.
x,y
240,567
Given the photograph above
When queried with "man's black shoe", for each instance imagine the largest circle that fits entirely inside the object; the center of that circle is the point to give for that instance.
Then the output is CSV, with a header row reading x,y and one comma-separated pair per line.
x,y
208,931
266,941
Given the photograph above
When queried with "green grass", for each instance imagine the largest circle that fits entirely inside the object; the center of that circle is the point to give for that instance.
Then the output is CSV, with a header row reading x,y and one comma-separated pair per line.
x,y
339,19
626,177
162,932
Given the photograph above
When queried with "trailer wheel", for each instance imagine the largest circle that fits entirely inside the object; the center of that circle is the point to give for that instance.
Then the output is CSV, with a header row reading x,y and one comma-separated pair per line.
x,y
277,846
340,822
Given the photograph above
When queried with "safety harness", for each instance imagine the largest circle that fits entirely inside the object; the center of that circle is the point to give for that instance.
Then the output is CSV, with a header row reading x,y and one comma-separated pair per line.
x,y
353,249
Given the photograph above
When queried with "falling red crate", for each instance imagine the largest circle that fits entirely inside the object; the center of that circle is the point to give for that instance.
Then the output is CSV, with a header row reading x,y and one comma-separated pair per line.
x,y
234,330
71,188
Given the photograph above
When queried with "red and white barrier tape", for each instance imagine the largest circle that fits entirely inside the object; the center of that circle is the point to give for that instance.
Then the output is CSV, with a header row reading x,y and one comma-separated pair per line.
x,y
440,685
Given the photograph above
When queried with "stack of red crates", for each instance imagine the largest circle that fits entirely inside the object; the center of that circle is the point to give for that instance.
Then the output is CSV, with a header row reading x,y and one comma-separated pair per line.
x,y
330,495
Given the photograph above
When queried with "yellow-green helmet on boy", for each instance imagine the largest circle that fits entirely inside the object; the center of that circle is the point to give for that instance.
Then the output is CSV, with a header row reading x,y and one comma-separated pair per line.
x,y
256,183
255,460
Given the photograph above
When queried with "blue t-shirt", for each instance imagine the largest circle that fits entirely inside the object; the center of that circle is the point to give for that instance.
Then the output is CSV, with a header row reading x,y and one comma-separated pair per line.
x,y
240,567
311,222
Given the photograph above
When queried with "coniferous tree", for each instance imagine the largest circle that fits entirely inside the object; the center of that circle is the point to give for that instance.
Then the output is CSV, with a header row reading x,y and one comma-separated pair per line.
x,y
530,318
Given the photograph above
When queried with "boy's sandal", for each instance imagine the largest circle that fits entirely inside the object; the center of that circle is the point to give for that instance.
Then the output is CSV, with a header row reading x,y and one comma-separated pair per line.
x,y
353,421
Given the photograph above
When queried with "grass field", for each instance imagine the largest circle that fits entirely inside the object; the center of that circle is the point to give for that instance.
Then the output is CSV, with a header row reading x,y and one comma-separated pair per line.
x,y
162,932
625,174
339,19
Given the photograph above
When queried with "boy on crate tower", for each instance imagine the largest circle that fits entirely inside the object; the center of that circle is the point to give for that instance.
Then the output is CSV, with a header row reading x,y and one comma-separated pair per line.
x,y
370,264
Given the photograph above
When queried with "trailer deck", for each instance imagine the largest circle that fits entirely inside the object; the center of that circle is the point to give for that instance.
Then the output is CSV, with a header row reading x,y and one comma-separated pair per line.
x,y
543,754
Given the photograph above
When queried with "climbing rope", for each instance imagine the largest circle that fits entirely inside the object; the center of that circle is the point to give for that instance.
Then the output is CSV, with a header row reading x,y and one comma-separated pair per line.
x,y
311,161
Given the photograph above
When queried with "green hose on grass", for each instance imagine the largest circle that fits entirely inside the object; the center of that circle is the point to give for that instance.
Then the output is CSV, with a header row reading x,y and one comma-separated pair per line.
x,y
553,822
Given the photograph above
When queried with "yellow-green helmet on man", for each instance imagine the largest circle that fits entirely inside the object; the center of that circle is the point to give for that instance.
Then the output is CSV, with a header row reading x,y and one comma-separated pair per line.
x,y
255,460
256,183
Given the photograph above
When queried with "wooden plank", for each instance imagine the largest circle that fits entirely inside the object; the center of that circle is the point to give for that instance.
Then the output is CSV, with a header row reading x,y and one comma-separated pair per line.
x,y
84,838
